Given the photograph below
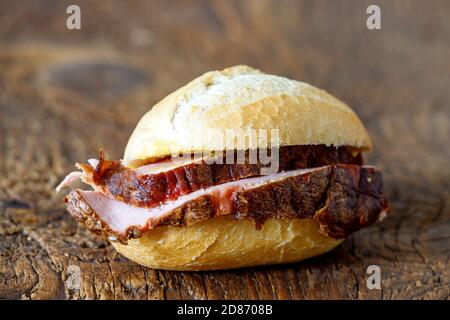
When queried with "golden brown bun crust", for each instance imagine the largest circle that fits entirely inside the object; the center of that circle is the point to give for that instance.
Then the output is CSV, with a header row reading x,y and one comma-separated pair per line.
x,y
225,243
241,98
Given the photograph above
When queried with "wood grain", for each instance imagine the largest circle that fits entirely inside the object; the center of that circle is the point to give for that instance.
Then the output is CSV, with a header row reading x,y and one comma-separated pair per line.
x,y
64,94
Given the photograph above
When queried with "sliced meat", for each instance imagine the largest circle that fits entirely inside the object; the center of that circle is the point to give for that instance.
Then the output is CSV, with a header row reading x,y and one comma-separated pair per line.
x,y
342,198
154,184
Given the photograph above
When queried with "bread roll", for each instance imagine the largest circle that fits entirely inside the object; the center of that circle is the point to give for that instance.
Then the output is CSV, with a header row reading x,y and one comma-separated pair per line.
x,y
240,98
225,243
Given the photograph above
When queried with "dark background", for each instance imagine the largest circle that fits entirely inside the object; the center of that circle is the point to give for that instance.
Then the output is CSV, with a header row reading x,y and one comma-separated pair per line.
x,y
64,94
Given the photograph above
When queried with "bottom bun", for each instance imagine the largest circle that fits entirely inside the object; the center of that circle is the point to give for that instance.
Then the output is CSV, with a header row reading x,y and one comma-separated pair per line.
x,y
226,243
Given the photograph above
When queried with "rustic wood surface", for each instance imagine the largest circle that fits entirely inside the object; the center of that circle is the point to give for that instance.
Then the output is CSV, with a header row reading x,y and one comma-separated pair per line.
x,y
64,94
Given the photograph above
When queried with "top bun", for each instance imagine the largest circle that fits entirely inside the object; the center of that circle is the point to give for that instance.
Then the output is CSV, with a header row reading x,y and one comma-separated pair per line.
x,y
242,98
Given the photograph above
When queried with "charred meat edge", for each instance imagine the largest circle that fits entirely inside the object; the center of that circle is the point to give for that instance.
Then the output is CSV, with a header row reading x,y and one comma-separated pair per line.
x,y
342,198
150,190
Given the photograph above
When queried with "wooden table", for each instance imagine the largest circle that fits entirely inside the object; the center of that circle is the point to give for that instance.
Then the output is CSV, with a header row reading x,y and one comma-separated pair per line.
x,y
64,94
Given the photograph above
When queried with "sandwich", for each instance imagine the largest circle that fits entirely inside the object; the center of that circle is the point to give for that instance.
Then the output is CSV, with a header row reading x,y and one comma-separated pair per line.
x,y
237,168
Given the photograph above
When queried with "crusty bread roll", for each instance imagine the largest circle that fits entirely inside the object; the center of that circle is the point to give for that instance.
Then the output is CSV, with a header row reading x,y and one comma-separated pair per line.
x,y
238,98
225,243
241,97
